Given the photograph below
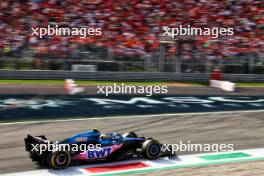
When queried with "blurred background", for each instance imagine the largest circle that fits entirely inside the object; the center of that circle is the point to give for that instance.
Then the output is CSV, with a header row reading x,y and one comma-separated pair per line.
x,y
130,39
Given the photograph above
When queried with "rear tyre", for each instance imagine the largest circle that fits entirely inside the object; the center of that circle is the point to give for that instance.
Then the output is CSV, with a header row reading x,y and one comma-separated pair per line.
x,y
151,149
34,156
59,159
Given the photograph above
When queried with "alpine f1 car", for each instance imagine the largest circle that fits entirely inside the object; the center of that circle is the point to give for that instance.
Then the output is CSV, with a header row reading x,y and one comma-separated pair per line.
x,y
109,147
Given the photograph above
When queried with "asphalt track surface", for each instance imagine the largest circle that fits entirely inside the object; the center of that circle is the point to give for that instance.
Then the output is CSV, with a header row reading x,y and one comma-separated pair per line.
x,y
244,130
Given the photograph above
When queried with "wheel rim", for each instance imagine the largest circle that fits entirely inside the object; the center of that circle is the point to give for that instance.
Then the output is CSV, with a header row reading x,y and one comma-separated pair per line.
x,y
154,149
61,159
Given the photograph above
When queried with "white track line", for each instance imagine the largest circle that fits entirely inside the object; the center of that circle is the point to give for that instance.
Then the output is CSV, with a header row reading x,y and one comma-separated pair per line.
x,y
134,116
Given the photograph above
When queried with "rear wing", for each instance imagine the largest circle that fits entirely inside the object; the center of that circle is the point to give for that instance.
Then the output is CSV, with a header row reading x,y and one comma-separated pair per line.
x,y
30,141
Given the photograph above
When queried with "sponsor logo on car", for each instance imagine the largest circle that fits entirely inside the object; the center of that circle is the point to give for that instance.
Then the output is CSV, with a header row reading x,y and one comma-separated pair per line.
x,y
101,153
81,139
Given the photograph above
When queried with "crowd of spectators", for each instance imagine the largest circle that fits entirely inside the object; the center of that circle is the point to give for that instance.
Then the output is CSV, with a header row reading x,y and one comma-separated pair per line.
x,y
132,27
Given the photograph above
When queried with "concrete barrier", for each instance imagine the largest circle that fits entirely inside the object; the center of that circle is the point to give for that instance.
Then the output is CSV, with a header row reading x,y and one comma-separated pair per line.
x,y
124,76
224,85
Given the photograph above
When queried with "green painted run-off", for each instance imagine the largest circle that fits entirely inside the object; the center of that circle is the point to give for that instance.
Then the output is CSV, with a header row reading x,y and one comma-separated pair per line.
x,y
224,156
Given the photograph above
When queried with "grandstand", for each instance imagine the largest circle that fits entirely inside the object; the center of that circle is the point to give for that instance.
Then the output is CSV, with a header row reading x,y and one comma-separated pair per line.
x,y
131,30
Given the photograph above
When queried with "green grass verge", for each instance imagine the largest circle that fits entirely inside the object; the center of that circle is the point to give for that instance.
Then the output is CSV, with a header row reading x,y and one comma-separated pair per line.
x,y
144,83
259,84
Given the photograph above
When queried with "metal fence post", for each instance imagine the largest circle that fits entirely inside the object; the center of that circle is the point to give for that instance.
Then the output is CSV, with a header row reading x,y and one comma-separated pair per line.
x,y
146,63
178,64
161,57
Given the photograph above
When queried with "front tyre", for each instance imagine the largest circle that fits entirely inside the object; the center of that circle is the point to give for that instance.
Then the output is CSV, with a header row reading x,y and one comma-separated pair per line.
x,y
59,159
151,149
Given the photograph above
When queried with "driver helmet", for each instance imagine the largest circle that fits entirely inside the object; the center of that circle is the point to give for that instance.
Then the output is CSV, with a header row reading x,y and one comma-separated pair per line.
x,y
105,136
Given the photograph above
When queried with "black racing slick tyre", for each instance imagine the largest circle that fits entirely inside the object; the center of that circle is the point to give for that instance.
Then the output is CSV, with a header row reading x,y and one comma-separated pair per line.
x,y
59,159
151,149
130,135
34,156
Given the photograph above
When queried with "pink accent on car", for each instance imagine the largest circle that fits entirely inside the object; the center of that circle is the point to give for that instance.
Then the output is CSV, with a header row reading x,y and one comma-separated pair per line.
x,y
99,153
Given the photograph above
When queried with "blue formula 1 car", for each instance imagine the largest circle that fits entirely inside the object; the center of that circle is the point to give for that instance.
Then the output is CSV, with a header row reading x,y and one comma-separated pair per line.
x,y
92,146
